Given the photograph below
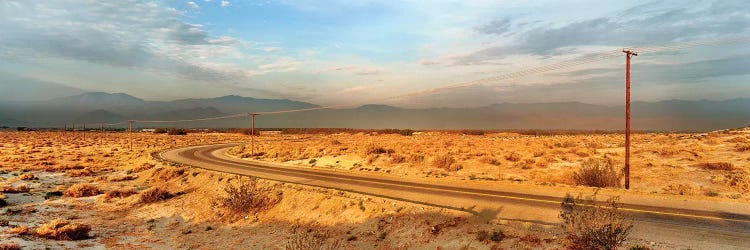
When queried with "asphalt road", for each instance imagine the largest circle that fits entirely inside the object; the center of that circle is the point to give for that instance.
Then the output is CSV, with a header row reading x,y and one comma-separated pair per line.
x,y
697,224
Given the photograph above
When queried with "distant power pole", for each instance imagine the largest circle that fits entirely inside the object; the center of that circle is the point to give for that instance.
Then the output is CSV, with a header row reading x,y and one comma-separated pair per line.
x,y
130,135
628,54
252,136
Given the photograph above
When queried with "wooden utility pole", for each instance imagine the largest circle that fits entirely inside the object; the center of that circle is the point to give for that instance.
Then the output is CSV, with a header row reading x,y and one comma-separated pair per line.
x,y
130,134
252,136
101,133
628,54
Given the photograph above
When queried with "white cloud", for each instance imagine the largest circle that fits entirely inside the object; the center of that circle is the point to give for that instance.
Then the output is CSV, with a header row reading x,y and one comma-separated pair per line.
x,y
272,49
193,5
225,3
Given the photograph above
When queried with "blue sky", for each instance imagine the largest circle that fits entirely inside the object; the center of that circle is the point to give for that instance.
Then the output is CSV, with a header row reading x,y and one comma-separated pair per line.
x,y
332,52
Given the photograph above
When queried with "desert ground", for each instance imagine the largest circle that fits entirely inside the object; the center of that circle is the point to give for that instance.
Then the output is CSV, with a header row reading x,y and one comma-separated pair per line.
x,y
63,191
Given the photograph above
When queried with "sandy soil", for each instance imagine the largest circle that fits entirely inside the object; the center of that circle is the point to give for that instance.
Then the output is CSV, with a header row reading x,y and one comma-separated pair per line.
x,y
195,219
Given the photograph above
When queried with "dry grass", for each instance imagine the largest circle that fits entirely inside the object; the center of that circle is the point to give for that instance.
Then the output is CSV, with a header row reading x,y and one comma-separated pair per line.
x,y
155,194
309,238
589,224
167,174
248,197
596,172
21,188
79,172
726,166
81,190
60,229
446,162
119,193
20,230
10,246
26,177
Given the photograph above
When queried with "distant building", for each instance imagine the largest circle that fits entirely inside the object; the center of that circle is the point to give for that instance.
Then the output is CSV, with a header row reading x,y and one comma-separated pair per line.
x,y
148,130
271,132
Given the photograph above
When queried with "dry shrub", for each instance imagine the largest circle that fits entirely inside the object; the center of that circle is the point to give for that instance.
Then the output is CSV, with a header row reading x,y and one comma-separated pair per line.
x,y
247,197
121,178
142,167
60,229
597,172
20,230
739,180
155,194
742,148
446,162
589,224
166,174
26,177
82,190
514,157
397,158
728,166
79,173
680,189
10,246
489,160
374,150
309,238
119,193
21,188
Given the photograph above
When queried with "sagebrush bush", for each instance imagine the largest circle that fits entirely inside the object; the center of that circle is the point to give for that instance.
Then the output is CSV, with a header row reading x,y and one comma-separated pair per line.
x,y
119,193
597,172
374,150
155,194
81,190
589,224
26,177
309,238
247,197
728,166
10,246
446,162
60,229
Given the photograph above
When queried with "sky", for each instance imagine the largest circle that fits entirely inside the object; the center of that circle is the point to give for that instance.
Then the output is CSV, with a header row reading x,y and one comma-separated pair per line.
x,y
339,51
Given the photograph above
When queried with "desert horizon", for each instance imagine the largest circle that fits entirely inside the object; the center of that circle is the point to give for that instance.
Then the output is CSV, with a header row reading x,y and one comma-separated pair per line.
x,y
321,125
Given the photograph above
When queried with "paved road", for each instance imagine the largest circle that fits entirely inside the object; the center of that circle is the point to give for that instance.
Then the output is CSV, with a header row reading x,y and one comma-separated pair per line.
x,y
698,224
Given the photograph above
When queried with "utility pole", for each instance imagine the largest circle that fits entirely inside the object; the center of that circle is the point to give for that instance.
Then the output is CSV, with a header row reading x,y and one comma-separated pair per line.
x,y
130,135
628,54
252,136
101,131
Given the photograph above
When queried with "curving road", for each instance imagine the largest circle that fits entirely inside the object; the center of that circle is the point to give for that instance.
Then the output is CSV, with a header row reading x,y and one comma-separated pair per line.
x,y
694,223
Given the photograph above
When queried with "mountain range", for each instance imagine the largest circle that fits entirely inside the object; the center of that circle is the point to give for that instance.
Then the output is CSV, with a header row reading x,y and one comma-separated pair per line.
x,y
99,107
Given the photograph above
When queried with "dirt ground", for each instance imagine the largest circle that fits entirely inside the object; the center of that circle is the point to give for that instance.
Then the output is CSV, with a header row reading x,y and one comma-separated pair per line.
x,y
193,214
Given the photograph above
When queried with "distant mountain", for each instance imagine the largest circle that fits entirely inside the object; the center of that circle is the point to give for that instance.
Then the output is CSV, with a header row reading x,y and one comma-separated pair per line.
x,y
192,113
104,107
97,100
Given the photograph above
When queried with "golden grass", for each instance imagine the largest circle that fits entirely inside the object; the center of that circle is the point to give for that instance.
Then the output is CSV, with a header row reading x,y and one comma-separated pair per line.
x,y
20,230
727,166
26,177
60,229
155,194
21,188
119,193
10,246
81,190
